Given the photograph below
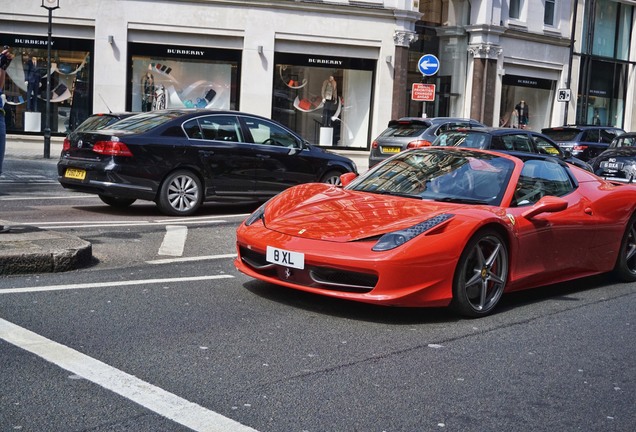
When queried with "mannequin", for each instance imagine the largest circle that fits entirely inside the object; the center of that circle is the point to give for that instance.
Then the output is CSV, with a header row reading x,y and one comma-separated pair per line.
x,y
147,91
523,112
329,94
32,76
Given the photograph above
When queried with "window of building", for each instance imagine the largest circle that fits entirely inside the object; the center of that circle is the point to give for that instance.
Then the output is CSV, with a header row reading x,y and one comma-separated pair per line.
x,y
548,13
326,100
514,11
25,86
182,77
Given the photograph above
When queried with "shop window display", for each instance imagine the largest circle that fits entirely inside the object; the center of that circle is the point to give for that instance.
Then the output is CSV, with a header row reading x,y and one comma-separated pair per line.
x,y
165,77
25,86
325,100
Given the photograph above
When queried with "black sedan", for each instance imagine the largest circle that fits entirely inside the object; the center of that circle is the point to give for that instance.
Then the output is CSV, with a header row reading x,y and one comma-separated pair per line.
x,y
507,139
618,162
182,158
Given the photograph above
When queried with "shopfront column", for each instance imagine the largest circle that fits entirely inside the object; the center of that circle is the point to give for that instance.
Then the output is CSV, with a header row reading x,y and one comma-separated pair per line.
x,y
482,104
403,40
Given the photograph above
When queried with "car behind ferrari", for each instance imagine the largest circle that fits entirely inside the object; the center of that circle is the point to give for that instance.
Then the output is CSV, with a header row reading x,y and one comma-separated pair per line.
x,y
443,226
183,158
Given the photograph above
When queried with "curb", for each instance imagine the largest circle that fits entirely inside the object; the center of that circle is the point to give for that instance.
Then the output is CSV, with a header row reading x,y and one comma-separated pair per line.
x,y
27,250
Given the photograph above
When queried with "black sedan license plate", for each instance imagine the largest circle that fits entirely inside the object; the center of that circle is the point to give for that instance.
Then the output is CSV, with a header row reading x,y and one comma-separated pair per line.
x,y
612,165
73,173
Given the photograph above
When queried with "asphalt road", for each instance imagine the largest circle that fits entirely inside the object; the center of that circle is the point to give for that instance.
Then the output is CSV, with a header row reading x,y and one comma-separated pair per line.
x,y
150,341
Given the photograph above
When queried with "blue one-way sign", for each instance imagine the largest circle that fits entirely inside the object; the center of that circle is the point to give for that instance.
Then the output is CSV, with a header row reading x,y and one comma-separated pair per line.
x,y
428,65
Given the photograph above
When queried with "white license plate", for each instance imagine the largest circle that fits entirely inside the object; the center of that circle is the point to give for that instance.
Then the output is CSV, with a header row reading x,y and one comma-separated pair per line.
x,y
612,165
285,258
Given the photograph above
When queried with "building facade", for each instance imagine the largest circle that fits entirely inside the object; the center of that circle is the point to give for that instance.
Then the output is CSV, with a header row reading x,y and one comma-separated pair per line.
x,y
336,71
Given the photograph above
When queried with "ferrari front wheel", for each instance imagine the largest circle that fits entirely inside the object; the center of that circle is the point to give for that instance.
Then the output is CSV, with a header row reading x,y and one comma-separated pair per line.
x,y
481,275
625,269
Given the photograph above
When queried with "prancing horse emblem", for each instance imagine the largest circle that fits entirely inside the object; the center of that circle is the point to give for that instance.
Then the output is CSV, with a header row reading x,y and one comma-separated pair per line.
x,y
288,273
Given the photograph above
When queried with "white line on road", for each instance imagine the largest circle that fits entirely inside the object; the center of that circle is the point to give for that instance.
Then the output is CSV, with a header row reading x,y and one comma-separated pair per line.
x,y
186,259
174,240
156,399
111,284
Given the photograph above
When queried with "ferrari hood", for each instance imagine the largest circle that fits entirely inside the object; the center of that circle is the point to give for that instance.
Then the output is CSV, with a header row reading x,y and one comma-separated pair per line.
x,y
323,212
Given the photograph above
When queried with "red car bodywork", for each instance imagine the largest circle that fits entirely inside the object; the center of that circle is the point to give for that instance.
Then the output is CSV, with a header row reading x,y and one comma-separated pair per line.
x,y
336,228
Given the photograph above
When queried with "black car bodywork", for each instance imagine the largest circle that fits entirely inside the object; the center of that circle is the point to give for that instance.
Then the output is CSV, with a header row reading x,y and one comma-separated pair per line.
x,y
507,140
182,158
618,162
583,142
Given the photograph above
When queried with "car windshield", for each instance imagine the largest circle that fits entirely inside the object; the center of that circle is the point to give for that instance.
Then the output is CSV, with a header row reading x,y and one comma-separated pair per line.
x,y
441,175
561,135
472,139
145,121
628,141
404,129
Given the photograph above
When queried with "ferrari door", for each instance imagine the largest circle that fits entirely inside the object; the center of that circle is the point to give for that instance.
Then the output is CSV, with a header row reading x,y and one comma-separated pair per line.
x,y
551,245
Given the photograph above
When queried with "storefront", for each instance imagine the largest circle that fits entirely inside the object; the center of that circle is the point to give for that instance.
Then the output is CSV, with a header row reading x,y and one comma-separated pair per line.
x,y
182,77
537,95
71,75
325,99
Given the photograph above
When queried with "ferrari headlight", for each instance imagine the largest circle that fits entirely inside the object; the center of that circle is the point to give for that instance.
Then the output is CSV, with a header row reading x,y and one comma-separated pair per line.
x,y
396,238
259,213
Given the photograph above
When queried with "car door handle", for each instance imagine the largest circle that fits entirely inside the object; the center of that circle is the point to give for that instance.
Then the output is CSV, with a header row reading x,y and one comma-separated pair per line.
x,y
263,156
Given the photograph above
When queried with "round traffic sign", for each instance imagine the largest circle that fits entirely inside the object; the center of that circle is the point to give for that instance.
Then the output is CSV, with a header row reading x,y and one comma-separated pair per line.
x,y
428,65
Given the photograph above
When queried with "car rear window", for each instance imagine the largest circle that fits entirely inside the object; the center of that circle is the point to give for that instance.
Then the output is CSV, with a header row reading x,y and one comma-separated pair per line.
x,y
561,134
146,121
463,139
406,129
96,122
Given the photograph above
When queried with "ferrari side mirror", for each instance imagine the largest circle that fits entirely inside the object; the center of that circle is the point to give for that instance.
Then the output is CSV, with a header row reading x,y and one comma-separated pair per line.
x,y
347,178
547,204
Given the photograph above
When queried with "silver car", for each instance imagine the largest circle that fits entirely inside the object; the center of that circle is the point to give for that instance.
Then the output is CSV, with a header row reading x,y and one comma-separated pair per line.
x,y
413,132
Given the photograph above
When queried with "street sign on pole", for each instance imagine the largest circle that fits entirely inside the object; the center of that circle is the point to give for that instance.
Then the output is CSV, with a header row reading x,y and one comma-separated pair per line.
x,y
428,65
563,95
423,92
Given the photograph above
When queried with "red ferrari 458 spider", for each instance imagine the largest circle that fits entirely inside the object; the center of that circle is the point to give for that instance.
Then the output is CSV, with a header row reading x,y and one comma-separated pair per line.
x,y
443,226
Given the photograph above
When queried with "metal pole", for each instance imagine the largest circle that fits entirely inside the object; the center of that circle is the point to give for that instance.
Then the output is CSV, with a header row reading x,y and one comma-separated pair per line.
x,y
568,84
47,120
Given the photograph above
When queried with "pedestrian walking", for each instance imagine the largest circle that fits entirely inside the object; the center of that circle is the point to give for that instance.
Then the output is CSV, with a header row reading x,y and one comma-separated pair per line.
x,y
5,60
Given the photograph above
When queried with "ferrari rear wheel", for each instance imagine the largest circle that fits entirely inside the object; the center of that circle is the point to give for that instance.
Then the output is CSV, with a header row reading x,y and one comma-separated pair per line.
x,y
180,194
625,269
481,275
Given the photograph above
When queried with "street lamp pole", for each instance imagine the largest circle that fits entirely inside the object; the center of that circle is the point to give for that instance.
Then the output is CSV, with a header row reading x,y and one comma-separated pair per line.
x,y
50,5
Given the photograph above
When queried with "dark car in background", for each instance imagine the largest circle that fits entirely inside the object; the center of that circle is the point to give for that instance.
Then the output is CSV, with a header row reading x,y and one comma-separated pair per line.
x,y
583,142
182,158
413,132
507,139
618,162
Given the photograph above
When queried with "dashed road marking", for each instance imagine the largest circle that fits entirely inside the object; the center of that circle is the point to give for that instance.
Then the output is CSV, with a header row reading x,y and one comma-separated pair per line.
x,y
174,240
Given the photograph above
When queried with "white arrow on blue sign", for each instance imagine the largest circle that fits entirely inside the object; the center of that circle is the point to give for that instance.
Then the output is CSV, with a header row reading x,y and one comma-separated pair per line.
x,y
428,65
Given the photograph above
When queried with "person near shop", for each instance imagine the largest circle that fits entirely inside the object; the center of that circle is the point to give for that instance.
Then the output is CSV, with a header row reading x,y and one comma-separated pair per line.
x,y
523,113
32,76
329,94
5,59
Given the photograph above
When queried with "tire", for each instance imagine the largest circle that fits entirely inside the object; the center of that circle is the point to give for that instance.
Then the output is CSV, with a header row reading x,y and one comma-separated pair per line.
x,y
181,194
625,269
117,202
331,177
481,275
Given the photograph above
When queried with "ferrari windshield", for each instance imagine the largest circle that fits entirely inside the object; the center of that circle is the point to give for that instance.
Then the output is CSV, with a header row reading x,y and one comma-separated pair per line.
x,y
441,174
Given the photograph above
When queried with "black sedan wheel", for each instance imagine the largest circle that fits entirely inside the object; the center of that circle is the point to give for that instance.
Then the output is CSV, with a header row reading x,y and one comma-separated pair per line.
x,y
117,202
625,269
180,194
331,177
481,274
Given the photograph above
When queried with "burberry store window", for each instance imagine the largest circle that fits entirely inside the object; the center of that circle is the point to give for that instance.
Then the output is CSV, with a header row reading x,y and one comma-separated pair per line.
x,y
25,86
327,100
182,77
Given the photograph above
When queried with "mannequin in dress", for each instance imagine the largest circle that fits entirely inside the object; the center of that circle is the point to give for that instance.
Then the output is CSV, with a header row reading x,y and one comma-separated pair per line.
x,y
147,91
32,76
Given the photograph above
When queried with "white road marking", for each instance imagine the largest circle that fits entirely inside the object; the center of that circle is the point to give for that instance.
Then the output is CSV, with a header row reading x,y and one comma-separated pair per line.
x,y
111,284
186,259
171,406
174,240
